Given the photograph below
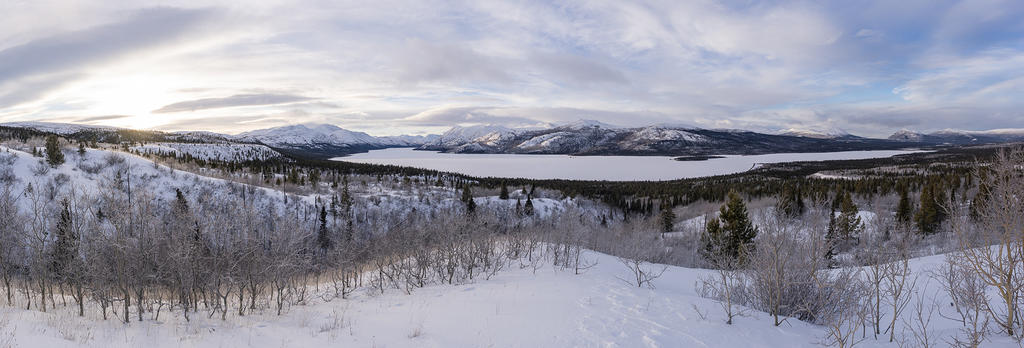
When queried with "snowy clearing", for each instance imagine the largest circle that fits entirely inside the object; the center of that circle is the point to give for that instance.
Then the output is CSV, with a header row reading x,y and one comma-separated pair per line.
x,y
516,308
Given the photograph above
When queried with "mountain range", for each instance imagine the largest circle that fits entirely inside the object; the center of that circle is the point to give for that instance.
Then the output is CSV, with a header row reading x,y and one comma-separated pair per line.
x,y
584,137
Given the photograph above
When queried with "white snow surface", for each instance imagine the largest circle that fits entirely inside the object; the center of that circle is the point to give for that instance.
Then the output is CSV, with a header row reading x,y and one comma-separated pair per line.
x,y
516,308
489,134
298,135
228,152
56,128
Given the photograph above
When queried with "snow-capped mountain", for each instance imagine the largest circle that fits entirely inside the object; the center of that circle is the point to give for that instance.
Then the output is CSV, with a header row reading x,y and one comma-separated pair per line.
x,y
327,140
83,132
960,137
594,138
57,128
317,140
832,133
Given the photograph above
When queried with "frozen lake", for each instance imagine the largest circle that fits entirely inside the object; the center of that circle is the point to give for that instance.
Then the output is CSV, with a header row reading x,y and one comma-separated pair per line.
x,y
624,168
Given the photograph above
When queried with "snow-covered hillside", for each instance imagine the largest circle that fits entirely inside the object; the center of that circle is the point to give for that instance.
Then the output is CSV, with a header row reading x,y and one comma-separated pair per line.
x,y
521,307
56,128
956,136
587,137
328,140
325,134
227,152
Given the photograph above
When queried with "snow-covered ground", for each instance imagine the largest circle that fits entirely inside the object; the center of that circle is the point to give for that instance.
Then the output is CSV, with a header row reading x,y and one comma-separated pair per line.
x,y
516,308
228,152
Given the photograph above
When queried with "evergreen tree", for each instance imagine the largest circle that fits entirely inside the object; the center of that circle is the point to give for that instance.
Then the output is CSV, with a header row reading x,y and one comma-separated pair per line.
x,y
467,198
504,192
931,215
713,241
66,247
54,156
323,236
980,198
848,225
732,234
791,202
905,209
831,238
528,207
519,207
668,218
81,149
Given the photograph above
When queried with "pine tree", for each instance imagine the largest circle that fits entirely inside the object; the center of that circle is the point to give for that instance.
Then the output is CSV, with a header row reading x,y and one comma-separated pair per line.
x,y
668,218
528,207
54,157
790,203
504,192
467,198
732,234
81,149
980,198
519,207
905,209
848,225
931,215
713,241
65,248
831,239
323,236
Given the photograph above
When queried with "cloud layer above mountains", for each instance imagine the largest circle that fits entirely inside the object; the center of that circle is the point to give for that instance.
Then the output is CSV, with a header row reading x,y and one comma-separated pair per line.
x,y
387,67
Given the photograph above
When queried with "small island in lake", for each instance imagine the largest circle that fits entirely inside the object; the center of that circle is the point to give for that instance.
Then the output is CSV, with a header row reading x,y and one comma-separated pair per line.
x,y
696,158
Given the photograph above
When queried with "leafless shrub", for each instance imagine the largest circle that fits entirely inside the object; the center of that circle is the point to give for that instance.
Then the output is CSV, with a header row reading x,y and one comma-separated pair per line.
x,y
968,298
920,325
993,245
727,286
840,306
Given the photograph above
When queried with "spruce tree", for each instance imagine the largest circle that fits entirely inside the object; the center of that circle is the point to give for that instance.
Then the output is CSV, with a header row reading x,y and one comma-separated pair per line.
x,y
713,241
848,225
668,218
905,209
323,236
54,157
831,239
467,198
504,191
790,203
65,248
528,207
931,215
980,198
732,234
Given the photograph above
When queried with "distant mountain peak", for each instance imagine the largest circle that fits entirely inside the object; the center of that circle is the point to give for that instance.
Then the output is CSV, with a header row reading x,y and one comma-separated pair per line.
x,y
831,133
958,136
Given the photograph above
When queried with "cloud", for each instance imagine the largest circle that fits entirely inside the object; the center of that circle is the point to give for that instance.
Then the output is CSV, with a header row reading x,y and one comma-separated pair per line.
x,y
100,118
44,64
232,101
388,65
427,62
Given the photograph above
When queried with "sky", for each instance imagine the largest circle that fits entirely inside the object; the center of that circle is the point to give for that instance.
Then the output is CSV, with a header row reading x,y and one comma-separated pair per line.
x,y
415,67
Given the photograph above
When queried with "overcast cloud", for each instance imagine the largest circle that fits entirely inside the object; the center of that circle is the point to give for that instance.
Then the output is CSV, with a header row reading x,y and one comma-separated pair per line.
x,y
868,67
